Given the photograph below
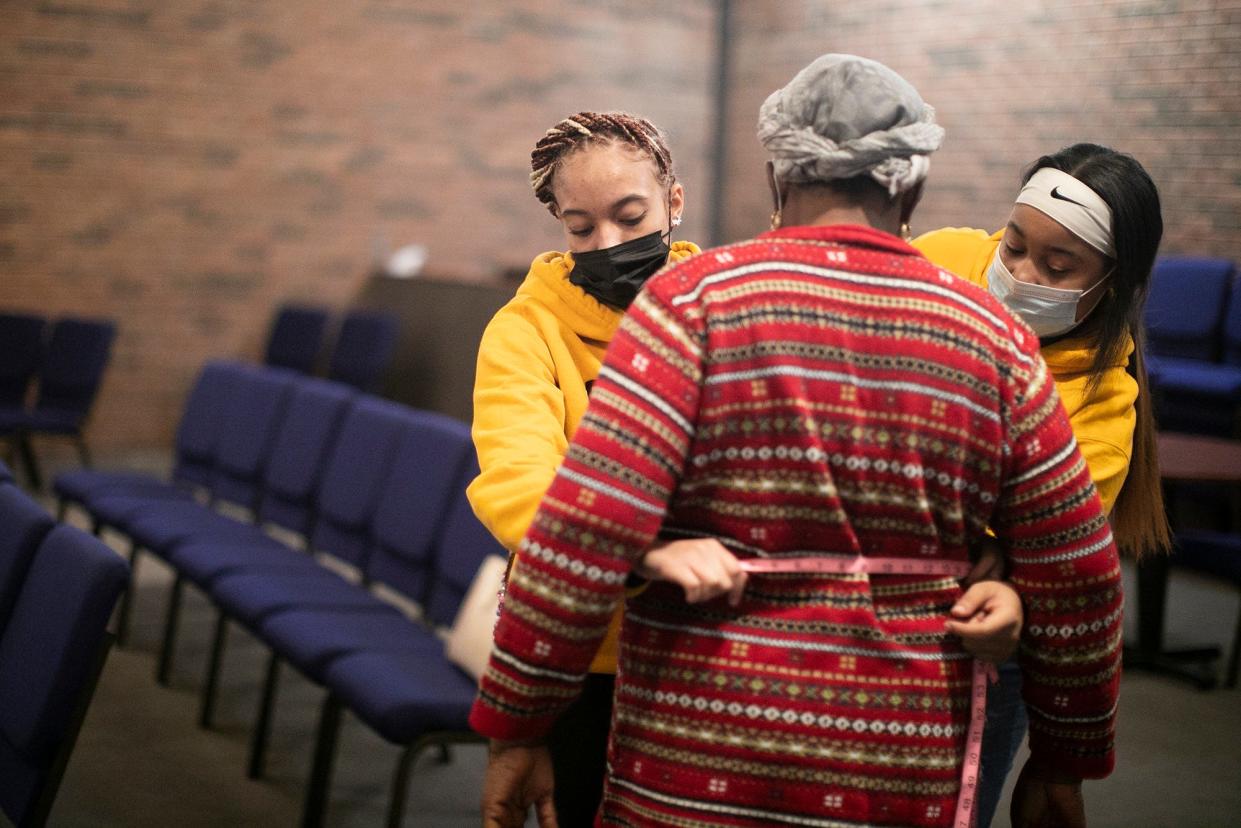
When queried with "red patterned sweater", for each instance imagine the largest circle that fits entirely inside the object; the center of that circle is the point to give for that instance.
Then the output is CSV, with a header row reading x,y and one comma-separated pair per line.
x,y
816,391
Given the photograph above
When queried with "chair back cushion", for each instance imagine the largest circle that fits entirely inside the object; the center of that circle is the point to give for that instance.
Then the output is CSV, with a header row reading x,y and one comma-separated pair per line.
x,y
1185,308
423,481
50,647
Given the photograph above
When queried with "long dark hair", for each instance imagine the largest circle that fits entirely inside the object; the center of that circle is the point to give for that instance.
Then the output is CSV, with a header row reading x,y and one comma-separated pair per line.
x,y
1139,521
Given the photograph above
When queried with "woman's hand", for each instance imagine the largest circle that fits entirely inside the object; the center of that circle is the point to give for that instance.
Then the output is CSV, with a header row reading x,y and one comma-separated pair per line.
x,y
701,566
519,775
988,619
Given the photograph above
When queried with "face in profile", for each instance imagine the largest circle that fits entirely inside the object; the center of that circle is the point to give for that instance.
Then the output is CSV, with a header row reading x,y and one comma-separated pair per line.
x,y
610,193
1038,250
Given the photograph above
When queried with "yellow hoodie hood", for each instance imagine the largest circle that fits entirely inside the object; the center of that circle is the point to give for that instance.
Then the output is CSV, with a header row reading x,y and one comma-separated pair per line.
x,y
1103,421
536,362
548,284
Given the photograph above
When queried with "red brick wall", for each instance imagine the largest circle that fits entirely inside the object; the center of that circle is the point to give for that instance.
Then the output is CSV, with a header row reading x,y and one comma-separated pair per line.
x,y
184,166
1160,79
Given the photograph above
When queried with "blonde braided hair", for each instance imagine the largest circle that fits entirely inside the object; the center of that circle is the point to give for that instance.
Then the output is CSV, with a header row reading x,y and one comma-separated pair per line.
x,y
585,128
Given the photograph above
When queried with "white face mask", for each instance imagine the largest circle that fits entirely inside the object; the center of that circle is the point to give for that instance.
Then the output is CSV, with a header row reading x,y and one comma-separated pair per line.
x,y
1049,311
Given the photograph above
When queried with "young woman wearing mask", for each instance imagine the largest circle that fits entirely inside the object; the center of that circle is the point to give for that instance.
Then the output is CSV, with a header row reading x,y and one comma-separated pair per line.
x,y
608,178
1074,261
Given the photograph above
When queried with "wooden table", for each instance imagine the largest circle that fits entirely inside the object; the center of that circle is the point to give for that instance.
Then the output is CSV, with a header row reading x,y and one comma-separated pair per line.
x,y
1182,457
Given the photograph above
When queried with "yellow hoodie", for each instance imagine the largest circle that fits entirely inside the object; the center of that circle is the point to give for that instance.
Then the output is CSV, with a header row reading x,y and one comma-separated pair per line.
x,y
536,359
1103,423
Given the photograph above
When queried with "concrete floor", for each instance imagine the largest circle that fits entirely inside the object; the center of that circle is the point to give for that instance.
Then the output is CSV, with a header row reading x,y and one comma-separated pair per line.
x,y
142,761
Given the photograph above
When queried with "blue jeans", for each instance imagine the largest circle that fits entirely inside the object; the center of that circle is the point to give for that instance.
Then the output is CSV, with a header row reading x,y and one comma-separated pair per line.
x,y
1001,739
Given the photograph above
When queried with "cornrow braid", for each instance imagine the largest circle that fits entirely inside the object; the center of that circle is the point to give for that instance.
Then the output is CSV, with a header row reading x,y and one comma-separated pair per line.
x,y
585,128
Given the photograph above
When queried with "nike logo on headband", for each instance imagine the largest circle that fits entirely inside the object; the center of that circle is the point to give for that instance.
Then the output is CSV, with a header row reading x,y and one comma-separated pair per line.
x,y
1055,193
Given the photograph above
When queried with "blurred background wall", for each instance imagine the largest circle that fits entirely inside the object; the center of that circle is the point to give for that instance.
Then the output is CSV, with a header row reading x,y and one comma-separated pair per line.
x,y
186,165
1010,81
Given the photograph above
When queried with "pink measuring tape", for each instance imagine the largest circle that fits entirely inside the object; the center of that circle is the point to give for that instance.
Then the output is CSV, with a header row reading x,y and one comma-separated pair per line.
x,y
983,672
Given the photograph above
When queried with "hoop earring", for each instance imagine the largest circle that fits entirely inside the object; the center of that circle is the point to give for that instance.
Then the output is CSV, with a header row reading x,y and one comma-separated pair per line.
x,y
776,219
905,234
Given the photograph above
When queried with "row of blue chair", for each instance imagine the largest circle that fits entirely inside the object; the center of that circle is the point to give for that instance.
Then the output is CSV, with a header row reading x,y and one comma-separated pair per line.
x,y
373,488
58,587
1193,322
361,352
66,360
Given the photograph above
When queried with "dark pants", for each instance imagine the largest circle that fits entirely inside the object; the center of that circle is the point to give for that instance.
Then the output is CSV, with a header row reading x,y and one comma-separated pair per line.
x,y
1001,738
579,745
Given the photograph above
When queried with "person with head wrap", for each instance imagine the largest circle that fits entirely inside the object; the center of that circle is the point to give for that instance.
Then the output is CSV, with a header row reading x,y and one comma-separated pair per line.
x,y
1074,261
821,392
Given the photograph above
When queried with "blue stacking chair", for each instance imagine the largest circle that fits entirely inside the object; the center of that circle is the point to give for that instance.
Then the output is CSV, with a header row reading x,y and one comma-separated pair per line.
x,y
21,349
296,338
1193,318
298,459
407,697
118,506
51,654
295,470
427,473
70,374
251,418
364,348
23,525
21,346
1218,555
1232,323
195,445
1186,305
344,505
346,502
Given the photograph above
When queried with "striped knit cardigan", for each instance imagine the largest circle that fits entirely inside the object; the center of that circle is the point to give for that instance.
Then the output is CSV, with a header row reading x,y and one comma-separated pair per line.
x,y
816,391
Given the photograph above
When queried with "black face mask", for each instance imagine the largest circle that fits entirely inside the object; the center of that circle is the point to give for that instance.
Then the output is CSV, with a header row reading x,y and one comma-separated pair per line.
x,y
614,275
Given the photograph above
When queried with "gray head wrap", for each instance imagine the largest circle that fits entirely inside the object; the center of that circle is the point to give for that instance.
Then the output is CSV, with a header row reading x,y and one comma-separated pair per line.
x,y
844,116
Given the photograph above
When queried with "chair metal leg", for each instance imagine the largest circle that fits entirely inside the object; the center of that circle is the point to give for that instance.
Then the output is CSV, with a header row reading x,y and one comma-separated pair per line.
x,y
30,461
164,666
206,713
315,809
125,606
262,726
400,782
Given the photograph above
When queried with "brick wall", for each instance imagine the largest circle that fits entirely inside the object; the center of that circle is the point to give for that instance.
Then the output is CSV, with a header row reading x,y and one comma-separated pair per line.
x,y
1160,79
185,165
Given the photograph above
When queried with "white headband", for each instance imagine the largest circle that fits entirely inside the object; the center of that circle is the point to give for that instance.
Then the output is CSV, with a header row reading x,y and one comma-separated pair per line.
x,y
1072,204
